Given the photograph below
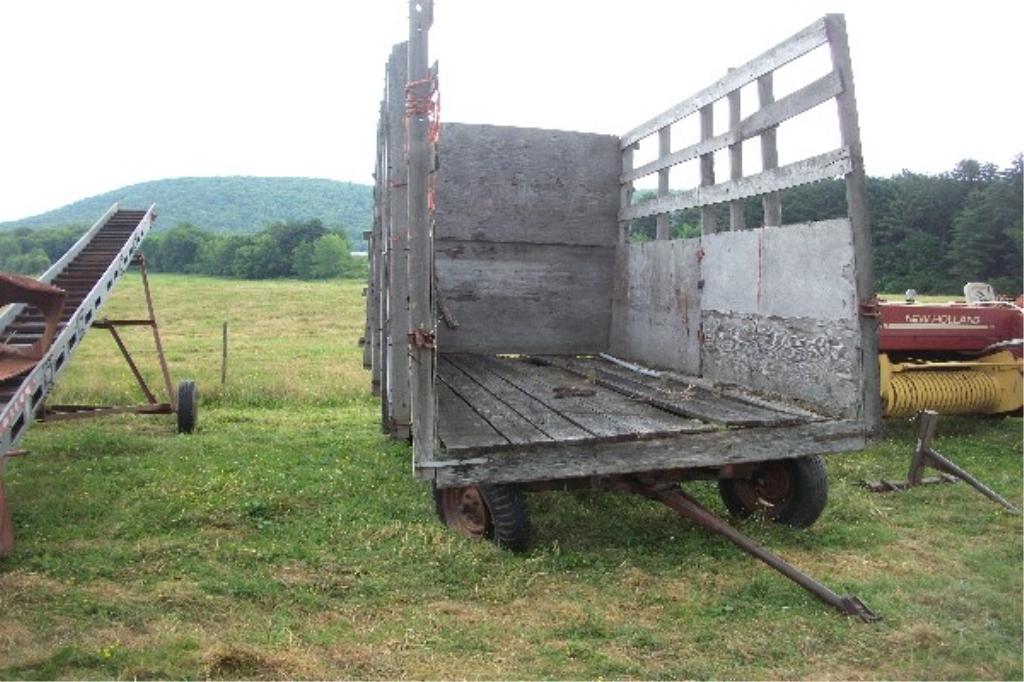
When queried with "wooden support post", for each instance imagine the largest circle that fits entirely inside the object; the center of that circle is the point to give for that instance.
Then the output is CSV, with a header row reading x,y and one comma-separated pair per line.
x,y
856,201
384,276
737,214
620,283
224,354
399,409
664,149
772,202
373,300
708,221
421,324
626,195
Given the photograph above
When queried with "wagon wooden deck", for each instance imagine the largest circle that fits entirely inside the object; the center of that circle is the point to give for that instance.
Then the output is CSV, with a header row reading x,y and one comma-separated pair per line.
x,y
540,417
490,403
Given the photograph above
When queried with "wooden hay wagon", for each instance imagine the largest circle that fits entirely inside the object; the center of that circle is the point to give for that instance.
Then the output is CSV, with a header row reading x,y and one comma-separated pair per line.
x,y
524,339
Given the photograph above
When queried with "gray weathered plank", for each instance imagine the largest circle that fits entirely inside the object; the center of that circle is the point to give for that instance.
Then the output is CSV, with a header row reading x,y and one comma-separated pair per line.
x,y
537,413
708,219
604,414
460,427
768,271
814,362
857,208
821,167
506,421
769,116
664,149
799,44
506,184
706,449
765,328
372,349
625,196
525,298
665,393
421,243
656,311
400,410
737,210
383,258
772,202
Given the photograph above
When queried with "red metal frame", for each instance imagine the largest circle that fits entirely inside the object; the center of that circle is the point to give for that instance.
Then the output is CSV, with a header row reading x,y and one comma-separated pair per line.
x,y
956,327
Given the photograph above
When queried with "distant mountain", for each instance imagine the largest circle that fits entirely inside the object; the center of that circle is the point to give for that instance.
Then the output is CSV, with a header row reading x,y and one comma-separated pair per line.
x,y
236,204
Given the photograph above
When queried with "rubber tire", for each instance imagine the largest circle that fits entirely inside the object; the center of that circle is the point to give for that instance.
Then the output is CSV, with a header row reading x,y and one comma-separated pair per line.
x,y
509,515
188,406
808,479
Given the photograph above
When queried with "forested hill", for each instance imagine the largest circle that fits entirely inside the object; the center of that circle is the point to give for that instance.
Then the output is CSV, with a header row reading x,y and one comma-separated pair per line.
x,y
236,205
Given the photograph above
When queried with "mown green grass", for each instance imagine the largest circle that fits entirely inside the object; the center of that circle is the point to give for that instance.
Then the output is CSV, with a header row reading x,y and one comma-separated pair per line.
x,y
287,539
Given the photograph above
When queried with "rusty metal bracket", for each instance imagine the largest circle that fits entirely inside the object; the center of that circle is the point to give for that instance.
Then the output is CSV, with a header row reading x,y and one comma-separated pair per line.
x,y
870,308
422,339
675,498
49,300
925,456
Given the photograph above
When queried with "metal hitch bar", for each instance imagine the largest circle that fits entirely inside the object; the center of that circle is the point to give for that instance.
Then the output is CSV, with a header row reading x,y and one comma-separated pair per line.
x,y
677,499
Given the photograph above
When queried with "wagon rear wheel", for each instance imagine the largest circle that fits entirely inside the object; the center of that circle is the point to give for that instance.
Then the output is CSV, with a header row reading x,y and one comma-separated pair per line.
x,y
494,512
789,491
188,406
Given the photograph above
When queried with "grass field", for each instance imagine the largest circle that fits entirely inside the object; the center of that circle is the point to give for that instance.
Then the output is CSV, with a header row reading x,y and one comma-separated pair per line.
x,y
287,539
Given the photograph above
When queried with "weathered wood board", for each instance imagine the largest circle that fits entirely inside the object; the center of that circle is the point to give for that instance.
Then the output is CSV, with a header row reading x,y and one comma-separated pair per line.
x,y
705,449
505,184
656,312
786,323
524,298
678,396
525,230
490,403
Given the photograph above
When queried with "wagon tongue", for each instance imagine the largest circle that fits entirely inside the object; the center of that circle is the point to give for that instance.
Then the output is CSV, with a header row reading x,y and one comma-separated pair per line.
x,y
675,498
855,607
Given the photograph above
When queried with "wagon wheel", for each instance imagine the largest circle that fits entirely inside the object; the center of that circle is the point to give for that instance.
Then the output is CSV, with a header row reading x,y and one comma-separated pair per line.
x,y
188,406
494,512
789,491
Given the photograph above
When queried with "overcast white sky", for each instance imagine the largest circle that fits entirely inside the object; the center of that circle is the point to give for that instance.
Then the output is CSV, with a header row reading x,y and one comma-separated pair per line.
x,y
101,94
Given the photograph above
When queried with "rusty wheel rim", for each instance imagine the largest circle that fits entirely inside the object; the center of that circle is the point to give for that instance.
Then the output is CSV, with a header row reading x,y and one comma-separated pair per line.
x,y
466,512
767,491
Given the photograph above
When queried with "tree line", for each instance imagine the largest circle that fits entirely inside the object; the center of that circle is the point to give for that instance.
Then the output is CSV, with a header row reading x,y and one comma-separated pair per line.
x,y
29,252
297,249
931,233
